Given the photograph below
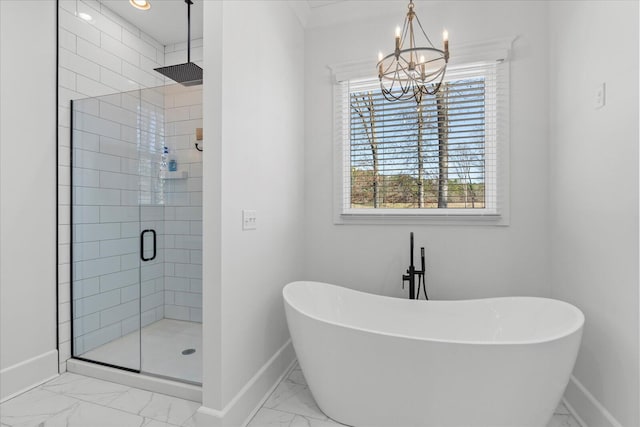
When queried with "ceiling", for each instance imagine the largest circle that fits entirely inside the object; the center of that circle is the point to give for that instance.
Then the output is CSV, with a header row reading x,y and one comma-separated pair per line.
x,y
166,21
320,3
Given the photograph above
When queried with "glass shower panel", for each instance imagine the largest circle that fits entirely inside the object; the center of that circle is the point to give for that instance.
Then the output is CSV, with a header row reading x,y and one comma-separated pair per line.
x,y
106,230
151,149
172,345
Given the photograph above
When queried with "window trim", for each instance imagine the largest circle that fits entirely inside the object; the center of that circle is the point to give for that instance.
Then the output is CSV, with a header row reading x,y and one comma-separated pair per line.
x,y
490,52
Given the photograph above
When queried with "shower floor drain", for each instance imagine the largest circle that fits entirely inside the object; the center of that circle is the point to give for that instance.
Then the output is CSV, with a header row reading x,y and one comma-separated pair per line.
x,y
188,351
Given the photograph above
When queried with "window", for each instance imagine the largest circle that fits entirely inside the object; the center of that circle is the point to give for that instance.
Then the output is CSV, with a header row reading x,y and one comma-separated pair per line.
x,y
435,158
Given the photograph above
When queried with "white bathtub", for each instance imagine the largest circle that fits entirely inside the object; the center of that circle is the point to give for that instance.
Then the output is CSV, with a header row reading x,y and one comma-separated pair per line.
x,y
371,360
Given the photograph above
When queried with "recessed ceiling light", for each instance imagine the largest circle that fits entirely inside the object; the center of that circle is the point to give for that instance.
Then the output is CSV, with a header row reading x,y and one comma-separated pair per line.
x,y
84,16
140,4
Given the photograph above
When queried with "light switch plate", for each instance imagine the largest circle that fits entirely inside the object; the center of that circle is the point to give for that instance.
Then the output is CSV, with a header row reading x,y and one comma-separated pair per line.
x,y
249,219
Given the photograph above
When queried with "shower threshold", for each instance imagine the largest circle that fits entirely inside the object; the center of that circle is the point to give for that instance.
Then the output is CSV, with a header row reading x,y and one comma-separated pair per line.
x,y
142,381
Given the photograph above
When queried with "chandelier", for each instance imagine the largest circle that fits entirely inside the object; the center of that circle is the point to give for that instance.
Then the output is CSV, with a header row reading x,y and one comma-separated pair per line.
x,y
412,71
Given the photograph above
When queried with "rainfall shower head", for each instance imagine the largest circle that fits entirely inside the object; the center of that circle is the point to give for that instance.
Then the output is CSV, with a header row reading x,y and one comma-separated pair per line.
x,y
187,74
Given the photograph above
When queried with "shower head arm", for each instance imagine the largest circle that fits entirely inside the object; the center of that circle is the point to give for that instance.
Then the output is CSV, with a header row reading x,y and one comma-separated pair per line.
x,y
189,3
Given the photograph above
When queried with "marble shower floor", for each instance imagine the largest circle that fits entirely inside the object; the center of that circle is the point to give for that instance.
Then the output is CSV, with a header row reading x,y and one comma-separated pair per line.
x,y
157,351
77,401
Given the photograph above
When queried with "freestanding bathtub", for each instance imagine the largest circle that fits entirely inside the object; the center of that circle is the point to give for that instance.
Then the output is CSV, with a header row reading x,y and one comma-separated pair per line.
x,y
372,360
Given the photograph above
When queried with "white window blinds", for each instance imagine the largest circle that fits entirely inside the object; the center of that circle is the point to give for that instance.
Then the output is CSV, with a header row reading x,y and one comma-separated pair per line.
x,y
438,155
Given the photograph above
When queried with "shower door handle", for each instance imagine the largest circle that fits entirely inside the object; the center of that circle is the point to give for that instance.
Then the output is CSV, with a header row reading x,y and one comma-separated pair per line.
x,y
153,232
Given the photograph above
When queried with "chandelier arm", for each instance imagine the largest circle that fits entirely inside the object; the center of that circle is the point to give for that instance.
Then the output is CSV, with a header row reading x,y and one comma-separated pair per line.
x,y
423,32
403,60
436,86
433,60
435,74
401,74
405,29
403,83
385,71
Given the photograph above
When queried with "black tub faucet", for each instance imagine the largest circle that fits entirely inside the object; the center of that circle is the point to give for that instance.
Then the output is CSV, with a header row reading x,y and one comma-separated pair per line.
x,y
412,273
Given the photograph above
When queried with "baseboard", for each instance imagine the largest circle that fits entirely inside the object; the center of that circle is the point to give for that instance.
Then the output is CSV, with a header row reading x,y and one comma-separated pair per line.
x,y
265,396
239,411
585,408
23,376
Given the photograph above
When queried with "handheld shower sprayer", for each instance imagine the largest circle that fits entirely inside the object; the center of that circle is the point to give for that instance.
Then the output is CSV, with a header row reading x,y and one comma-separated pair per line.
x,y
423,274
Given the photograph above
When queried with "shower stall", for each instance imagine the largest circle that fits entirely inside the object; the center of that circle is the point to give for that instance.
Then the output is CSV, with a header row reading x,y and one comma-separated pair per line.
x,y
136,252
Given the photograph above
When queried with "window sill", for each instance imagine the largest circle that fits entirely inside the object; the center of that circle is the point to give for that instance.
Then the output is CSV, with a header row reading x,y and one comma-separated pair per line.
x,y
389,217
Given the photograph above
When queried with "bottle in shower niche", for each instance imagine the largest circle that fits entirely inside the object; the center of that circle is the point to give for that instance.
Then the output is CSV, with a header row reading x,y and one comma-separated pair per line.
x,y
173,161
163,159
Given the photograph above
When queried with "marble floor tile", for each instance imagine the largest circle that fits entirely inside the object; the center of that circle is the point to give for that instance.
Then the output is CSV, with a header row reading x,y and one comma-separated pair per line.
x,y
169,409
34,407
73,400
562,420
155,423
301,421
133,400
42,408
296,376
562,409
191,422
294,398
86,414
86,388
266,417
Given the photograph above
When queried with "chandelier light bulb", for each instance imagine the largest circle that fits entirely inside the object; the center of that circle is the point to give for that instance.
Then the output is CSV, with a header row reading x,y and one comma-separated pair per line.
x,y
445,38
398,32
380,56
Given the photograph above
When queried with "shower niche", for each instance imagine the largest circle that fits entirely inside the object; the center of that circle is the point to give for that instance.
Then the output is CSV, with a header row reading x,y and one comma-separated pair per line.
x,y
136,252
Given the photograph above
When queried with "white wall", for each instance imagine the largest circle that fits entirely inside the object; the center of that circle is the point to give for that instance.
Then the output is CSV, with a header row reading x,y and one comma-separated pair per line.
x,y
27,194
462,261
262,152
594,198
260,161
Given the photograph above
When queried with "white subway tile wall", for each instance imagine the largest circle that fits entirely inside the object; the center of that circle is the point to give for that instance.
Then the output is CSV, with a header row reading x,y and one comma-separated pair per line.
x,y
117,147
183,209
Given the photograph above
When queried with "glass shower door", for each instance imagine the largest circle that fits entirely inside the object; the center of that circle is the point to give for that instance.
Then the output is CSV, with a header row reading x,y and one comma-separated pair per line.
x,y
106,230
